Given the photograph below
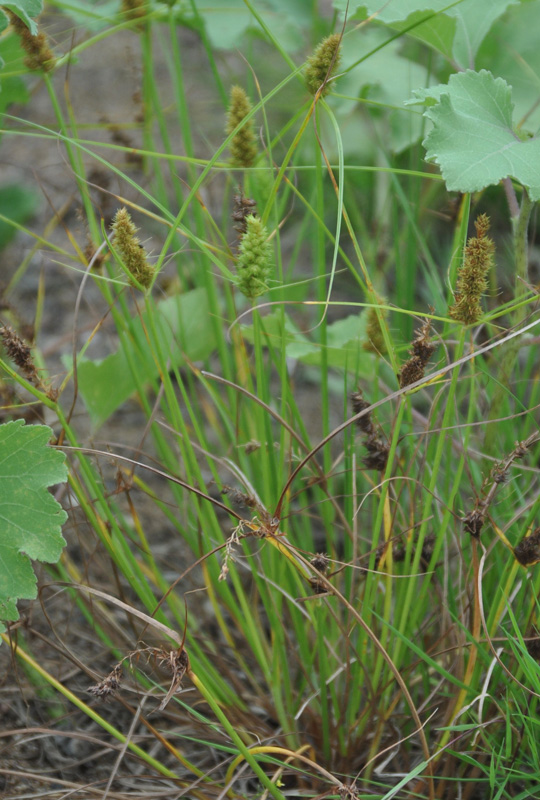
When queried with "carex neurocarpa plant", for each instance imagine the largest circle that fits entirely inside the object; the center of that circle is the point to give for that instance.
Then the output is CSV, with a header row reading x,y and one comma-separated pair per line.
x,y
304,592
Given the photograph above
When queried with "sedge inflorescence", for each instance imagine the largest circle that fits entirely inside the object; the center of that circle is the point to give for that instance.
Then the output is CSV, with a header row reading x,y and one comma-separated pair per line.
x,y
254,262
243,145
322,65
420,354
133,254
39,56
472,277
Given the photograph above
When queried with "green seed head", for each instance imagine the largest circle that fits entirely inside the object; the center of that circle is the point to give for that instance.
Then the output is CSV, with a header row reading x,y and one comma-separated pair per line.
x,y
254,263
132,253
243,146
323,64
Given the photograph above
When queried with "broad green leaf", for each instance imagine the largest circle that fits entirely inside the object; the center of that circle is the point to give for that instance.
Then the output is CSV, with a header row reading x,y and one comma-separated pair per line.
x,y
184,331
13,89
428,97
387,78
25,9
30,517
511,52
343,349
457,32
91,15
18,204
227,21
391,11
473,140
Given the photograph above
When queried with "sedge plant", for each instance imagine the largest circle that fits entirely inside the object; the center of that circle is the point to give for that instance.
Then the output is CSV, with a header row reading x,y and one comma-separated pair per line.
x,y
308,566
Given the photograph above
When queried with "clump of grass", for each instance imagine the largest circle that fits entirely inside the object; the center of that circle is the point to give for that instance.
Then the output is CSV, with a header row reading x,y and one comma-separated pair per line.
x,y
362,672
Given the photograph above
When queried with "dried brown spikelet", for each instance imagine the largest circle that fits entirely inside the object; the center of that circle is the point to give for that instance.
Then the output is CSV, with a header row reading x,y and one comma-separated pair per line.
x,y
252,446
243,207
317,585
320,562
243,146
374,335
420,352
240,498
377,453
411,371
177,663
473,523
128,245
323,64
472,276
108,686
527,552
19,352
39,56
359,404
377,448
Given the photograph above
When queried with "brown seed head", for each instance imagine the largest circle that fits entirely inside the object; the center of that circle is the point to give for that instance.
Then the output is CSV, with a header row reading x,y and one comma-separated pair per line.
x,y
527,552
420,352
472,276
474,522
321,562
132,253
109,685
377,453
39,56
19,352
358,404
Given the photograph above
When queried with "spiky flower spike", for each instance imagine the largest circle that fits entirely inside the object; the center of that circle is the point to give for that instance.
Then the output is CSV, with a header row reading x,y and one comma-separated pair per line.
x,y
20,353
323,64
254,263
377,448
39,56
243,146
420,352
129,247
472,283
